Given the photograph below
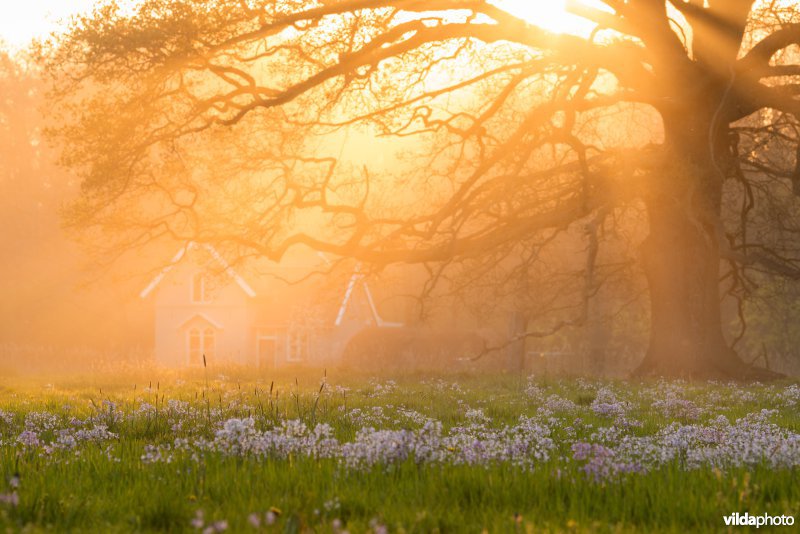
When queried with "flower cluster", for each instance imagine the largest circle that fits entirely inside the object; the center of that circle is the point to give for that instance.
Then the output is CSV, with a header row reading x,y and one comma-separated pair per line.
x,y
594,429
750,441
606,404
674,407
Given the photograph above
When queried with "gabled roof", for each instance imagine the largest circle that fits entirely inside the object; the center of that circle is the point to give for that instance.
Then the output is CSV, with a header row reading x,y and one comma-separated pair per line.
x,y
214,254
355,279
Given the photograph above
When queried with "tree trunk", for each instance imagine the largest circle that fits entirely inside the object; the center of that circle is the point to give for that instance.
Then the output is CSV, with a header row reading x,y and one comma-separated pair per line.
x,y
599,332
681,263
681,260
517,327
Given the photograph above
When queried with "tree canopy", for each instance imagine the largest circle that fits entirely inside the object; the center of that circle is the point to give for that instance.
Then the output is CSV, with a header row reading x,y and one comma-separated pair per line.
x,y
673,125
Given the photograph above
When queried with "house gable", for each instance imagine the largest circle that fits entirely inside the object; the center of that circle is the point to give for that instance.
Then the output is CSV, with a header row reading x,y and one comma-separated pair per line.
x,y
203,310
179,258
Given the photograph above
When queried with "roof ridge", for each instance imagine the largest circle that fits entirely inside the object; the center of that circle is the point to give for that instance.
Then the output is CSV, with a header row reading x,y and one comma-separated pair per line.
x,y
176,259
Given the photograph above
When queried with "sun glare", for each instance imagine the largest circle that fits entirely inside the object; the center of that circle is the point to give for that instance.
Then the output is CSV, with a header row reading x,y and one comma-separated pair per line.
x,y
22,21
551,15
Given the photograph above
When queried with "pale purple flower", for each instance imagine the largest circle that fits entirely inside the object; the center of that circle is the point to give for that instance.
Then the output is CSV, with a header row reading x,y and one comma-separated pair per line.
x,y
10,498
217,526
198,522
270,517
674,407
29,438
6,418
378,527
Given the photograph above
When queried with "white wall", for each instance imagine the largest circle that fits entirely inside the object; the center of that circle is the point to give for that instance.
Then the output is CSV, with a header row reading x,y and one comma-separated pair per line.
x,y
229,309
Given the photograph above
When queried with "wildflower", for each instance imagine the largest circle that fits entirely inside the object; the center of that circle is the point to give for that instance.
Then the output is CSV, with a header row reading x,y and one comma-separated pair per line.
x,y
29,438
336,526
6,418
156,454
673,406
378,527
10,498
198,522
332,504
217,526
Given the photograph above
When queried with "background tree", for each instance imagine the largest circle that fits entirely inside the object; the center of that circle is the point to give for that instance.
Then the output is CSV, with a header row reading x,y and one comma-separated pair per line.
x,y
671,111
46,304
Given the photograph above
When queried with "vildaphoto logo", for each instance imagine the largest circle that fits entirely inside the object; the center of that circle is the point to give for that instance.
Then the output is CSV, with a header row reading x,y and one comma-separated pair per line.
x,y
747,520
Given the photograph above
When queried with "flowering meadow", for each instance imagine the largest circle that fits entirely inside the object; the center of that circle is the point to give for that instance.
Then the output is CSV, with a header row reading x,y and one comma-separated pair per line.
x,y
312,453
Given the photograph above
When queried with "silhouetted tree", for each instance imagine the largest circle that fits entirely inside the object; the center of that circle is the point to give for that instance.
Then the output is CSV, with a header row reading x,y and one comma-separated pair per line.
x,y
671,109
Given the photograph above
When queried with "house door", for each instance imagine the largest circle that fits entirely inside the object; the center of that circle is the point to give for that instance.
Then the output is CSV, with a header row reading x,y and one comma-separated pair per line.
x,y
267,351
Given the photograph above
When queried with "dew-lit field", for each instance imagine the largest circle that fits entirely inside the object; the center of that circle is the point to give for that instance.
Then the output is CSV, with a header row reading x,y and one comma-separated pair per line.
x,y
190,453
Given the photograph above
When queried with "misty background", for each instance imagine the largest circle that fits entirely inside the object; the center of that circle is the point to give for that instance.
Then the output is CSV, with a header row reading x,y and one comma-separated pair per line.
x,y
67,306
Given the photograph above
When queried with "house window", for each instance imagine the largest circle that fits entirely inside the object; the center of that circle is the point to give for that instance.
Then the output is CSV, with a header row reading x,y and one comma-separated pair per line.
x,y
209,343
195,347
200,288
297,346
201,342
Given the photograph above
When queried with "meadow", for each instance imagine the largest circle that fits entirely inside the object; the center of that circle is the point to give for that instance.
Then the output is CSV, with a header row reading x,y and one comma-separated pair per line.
x,y
241,451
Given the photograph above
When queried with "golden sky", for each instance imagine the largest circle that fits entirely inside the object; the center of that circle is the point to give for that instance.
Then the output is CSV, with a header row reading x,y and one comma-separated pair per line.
x,y
23,20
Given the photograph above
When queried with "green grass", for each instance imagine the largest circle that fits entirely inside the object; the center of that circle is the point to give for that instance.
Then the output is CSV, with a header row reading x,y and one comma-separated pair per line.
x,y
104,489
95,495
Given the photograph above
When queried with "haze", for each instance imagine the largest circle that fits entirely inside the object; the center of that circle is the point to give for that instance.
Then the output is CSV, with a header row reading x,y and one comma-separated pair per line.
x,y
215,190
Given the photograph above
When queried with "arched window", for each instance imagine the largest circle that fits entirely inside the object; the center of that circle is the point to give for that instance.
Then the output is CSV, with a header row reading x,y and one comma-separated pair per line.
x,y
201,342
195,347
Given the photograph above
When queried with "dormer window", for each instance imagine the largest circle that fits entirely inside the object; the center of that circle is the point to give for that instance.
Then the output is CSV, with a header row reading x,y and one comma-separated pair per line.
x,y
200,289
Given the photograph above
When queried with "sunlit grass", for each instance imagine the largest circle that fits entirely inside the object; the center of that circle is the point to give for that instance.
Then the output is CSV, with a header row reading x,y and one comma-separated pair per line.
x,y
109,485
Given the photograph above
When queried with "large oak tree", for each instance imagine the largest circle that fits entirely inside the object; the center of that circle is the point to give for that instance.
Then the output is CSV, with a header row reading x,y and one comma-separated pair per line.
x,y
684,110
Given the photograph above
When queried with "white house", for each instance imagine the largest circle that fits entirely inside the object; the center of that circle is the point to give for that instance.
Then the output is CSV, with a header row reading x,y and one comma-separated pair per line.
x,y
206,312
